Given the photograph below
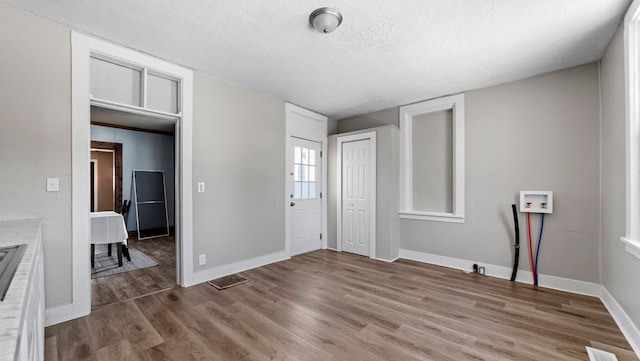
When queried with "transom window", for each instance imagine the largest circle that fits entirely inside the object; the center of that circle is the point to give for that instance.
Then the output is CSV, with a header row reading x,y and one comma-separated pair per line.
x,y
304,178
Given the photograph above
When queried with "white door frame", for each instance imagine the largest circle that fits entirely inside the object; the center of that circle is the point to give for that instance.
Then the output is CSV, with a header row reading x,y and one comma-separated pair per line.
x,y
82,47
372,196
291,110
95,183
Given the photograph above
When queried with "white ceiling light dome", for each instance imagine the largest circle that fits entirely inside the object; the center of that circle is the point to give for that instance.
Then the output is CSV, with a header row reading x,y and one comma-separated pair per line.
x,y
325,20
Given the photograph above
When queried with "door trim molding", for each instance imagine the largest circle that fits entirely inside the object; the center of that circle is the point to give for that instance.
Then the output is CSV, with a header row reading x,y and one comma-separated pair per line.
x,y
82,46
291,109
117,163
372,197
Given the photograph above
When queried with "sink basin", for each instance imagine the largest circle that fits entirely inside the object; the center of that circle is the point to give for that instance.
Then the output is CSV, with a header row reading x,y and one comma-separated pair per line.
x,y
10,258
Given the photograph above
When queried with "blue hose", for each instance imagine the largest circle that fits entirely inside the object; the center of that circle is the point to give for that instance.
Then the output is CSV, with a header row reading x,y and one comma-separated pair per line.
x,y
538,247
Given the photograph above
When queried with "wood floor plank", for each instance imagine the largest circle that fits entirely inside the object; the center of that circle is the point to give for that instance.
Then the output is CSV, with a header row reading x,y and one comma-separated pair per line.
x,y
273,339
326,305
179,338
124,286
51,348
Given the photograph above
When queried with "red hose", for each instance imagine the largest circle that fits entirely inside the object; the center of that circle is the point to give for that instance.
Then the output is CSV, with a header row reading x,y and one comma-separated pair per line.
x,y
533,266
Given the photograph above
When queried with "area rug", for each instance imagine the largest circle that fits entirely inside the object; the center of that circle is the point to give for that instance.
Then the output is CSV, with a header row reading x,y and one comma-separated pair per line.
x,y
228,281
107,266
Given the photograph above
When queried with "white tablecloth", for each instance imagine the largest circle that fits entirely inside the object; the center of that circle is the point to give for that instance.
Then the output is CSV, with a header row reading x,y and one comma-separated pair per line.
x,y
108,227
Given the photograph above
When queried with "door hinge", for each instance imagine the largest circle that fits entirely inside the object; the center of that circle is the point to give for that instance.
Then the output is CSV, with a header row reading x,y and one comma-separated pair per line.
x,y
320,235
320,154
320,195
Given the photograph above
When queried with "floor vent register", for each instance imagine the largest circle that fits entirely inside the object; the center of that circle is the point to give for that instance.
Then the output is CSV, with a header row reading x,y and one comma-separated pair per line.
x,y
228,281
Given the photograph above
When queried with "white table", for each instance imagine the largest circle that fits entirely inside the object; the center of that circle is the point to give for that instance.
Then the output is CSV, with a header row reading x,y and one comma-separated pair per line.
x,y
108,228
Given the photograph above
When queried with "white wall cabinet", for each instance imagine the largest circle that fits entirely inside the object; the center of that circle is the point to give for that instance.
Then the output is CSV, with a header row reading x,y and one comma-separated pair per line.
x,y
22,310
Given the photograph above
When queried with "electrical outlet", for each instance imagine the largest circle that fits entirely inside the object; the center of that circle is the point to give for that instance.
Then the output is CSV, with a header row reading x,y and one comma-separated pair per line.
x,y
200,187
202,260
53,184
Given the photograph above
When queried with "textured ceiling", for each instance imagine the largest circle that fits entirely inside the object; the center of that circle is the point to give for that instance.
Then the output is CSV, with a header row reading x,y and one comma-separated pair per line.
x,y
385,53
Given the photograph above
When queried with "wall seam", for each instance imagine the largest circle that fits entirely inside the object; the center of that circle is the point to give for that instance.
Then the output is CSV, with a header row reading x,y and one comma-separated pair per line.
x,y
600,156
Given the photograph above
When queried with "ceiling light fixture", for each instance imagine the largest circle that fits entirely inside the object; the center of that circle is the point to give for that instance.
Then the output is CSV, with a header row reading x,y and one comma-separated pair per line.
x,y
325,20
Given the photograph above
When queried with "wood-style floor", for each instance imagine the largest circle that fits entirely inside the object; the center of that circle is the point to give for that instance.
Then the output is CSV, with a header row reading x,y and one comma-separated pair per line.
x,y
124,286
335,306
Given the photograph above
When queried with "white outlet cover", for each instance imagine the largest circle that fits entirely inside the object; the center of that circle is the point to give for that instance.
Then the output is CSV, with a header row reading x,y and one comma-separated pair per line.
x,y
53,184
200,187
202,260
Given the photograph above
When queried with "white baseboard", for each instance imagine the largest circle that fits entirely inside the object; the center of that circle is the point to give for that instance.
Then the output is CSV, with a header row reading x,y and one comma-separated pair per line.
x,y
558,283
225,270
59,314
628,328
386,260
376,258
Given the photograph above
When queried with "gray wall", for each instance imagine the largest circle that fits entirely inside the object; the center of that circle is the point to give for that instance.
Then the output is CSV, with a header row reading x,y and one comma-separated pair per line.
x,y
35,142
142,151
332,191
332,125
388,204
433,162
382,117
620,271
387,182
238,151
540,133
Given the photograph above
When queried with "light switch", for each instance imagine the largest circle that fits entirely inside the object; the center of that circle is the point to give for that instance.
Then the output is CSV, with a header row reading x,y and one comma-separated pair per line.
x,y
200,187
53,184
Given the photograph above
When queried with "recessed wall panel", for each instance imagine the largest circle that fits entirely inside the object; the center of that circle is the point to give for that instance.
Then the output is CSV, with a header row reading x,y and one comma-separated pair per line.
x,y
433,162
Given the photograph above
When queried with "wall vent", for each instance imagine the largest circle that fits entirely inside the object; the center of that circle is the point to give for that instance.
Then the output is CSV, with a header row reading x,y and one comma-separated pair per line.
x,y
599,355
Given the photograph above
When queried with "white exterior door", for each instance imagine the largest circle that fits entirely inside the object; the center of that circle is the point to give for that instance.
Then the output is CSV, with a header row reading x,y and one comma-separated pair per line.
x,y
356,193
306,203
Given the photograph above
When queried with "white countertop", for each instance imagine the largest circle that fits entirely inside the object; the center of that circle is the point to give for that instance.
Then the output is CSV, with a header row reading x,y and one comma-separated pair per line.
x,y
11,309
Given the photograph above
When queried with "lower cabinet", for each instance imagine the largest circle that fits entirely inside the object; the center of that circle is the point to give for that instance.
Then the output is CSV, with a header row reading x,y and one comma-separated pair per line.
x,y
31,338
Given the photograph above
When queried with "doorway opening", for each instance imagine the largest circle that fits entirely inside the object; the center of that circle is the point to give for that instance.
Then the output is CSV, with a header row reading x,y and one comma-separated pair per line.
x,y
306,199
106,176
146,70
122,144
306,181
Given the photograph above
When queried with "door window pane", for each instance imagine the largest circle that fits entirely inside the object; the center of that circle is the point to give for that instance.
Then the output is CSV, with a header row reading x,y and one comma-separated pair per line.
x,y
297,190
297,172
297,157
304,173
312,157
